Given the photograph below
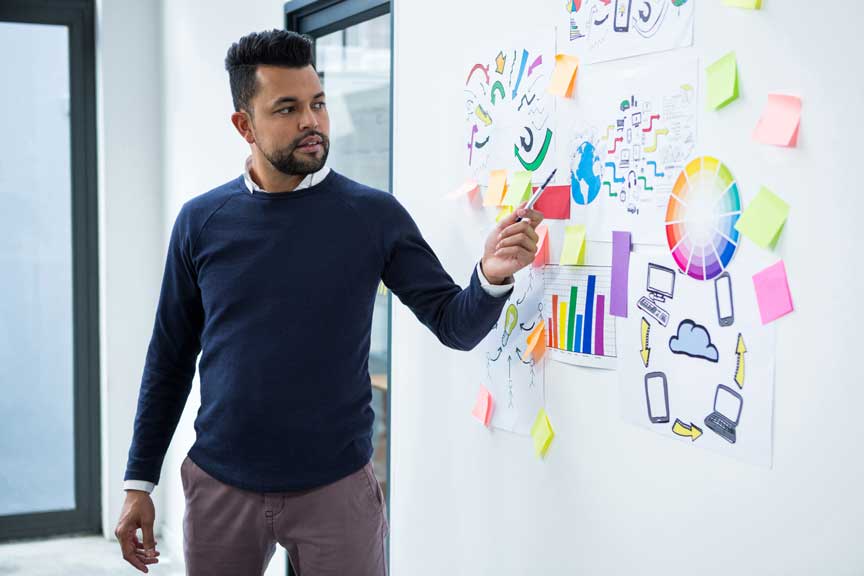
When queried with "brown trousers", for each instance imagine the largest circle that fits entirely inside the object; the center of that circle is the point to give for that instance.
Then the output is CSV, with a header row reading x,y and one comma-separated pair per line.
x,y
337,529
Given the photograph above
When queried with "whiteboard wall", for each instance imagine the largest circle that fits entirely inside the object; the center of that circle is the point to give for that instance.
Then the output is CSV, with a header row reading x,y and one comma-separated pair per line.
x,y
612,498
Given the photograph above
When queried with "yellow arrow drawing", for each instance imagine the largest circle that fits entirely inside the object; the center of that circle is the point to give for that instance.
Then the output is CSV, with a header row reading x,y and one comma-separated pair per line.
x,y
657,134
739,369
483,116
646,351
692,431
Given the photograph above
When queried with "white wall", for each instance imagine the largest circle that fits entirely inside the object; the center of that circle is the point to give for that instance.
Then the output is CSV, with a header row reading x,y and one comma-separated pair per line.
x,y
131,241
610,498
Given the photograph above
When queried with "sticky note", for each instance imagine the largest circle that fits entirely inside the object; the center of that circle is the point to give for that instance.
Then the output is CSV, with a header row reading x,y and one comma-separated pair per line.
x,y
469,188
772,292
483,406
621,245
564,76
748,4
536,342
495,190
764,218
573,251
542,256
518,189
554,203
723,81
779,122
504,212
542,433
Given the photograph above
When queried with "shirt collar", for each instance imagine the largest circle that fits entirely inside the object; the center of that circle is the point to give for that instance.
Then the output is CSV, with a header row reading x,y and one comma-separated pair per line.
x,y
307,182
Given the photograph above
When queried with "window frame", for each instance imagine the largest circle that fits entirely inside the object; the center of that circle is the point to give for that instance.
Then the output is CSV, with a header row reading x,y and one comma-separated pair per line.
x,y
79,17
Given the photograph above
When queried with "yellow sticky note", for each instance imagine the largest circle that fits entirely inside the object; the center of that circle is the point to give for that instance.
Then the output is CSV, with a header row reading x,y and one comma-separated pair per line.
x,y
503,213
780,121
483,406
764,218
573,252
542,433
518,189
748,4
536,342
495,190
722,81
564,76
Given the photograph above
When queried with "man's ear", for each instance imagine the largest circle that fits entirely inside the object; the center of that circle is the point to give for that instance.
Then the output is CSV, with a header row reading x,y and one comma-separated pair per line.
x,y
243,123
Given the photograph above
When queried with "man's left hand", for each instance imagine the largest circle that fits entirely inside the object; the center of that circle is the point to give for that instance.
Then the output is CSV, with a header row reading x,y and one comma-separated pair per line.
x,y
511,246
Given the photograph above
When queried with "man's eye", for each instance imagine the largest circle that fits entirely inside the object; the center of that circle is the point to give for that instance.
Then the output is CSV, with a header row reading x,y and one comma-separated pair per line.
x,y
319,105
285,110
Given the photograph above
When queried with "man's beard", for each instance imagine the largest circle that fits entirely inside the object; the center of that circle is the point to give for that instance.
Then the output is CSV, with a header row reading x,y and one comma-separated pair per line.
x,y
286,162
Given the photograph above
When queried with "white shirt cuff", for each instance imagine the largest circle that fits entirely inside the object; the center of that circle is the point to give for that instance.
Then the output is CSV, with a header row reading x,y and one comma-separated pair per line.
x,y
142,485
495,290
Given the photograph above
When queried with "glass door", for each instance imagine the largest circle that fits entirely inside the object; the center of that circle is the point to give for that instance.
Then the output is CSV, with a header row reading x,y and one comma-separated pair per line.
x,y
49,464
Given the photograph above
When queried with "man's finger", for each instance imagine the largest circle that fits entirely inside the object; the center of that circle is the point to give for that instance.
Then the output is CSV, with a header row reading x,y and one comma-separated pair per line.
x,y
149,540
532,216
515,252
127,546
523,227
520,240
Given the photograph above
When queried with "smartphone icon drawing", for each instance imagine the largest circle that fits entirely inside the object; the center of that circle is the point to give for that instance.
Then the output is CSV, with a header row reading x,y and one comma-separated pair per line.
x,y
621,22
657,397
723,296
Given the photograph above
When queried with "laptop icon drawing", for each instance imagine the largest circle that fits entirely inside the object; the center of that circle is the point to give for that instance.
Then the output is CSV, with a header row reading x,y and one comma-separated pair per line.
x,y
727,411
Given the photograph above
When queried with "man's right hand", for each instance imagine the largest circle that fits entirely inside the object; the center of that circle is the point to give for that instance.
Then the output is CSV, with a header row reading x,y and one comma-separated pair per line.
x,y
138,512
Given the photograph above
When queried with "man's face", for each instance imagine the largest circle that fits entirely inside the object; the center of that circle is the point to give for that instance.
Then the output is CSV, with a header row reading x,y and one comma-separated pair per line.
x,y
290,120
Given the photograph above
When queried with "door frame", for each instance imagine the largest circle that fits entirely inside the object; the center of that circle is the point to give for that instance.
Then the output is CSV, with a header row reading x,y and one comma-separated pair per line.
x,y
79,17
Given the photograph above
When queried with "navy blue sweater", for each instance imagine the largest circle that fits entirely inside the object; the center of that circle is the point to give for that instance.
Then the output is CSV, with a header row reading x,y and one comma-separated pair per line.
x,y
276,292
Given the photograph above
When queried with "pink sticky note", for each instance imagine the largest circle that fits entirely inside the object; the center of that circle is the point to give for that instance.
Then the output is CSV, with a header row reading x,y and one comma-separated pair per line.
x,y
542,256
772,292
483,407
780,121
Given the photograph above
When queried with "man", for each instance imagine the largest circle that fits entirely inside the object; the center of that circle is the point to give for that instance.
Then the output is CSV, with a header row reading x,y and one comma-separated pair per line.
x,y
272,276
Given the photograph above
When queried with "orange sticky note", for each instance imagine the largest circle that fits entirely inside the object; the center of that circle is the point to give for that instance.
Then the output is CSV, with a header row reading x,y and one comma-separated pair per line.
x,y
496,188
564,76
779,122
536,341
483,407
542,256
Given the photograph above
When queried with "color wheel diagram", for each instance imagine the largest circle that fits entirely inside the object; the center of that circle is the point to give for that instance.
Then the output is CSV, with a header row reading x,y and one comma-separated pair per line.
x,y
700,218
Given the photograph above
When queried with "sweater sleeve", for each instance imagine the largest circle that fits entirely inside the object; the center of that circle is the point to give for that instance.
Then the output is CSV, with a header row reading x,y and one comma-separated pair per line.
x,y
459,318
171,356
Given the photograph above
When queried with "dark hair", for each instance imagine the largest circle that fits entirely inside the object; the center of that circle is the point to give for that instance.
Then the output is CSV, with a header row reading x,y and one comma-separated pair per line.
x,y
271,47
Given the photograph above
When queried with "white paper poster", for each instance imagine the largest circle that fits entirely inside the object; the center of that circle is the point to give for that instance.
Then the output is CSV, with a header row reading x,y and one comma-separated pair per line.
x,y
601,30
695,363
630,136
513,378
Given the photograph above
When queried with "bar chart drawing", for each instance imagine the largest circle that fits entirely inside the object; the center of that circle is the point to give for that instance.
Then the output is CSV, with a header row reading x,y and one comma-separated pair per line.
x,y
580,329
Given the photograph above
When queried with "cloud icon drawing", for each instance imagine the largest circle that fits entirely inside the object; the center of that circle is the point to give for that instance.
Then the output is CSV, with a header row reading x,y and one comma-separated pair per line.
x,y
693,340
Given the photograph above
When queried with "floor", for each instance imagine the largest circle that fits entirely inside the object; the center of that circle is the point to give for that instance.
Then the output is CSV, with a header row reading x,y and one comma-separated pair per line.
x,y
75,556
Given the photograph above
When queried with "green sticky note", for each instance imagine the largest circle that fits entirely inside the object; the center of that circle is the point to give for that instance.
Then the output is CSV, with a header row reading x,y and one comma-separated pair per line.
x,y
763,220
748,4
518,190
722,81
573,252
542,433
